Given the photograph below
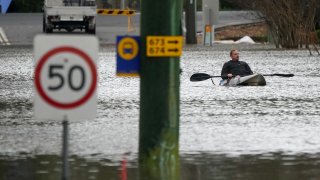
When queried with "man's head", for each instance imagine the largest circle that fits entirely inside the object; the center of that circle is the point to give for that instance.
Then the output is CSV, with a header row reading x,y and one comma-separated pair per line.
x,y
234,54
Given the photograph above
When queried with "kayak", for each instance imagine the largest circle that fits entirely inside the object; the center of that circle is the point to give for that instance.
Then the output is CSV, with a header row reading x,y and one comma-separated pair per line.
x,y
250,80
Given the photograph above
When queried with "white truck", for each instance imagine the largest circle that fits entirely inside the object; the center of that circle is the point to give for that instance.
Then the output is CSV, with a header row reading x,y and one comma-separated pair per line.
x,y
69,15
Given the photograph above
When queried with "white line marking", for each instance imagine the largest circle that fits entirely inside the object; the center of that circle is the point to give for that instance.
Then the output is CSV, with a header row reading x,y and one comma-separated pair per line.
x,y
3,38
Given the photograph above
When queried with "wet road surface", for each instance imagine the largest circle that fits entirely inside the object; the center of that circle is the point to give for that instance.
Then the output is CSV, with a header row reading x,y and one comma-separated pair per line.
x,y
225,132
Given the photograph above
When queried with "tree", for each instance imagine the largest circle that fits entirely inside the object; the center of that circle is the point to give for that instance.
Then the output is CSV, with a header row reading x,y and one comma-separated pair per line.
x,y
317,19
289,21
229,5
26,6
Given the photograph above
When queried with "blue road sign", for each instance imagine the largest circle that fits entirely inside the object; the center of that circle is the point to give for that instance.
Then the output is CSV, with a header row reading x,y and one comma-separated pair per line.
x,y
128,55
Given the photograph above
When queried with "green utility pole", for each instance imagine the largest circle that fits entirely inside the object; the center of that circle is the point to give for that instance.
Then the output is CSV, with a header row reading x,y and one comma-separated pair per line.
x,y
159,94
191,37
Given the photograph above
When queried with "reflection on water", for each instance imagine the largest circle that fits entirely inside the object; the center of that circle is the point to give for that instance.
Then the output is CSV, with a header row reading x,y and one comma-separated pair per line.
x,y
202,166
268,132
47,167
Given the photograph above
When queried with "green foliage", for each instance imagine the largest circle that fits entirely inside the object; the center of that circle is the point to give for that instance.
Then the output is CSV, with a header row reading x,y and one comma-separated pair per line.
x,y
25,6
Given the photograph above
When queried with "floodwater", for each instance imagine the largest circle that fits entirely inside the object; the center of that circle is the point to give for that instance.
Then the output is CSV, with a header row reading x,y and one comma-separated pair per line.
x,y
269,132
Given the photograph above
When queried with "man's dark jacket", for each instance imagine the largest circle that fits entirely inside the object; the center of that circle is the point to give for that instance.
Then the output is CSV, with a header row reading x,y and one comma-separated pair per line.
x,y
236,68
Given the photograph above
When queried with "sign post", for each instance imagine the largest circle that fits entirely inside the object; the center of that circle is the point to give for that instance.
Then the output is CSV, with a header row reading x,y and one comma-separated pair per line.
x,y
65,81
210,9
65,147
161,47
208,35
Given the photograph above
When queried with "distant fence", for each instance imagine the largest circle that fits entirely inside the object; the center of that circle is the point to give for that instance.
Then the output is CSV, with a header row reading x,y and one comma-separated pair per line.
x,y
119,12
115,12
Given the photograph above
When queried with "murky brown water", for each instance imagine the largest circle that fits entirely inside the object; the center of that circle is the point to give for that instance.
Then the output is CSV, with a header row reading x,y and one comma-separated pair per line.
x,y
269,132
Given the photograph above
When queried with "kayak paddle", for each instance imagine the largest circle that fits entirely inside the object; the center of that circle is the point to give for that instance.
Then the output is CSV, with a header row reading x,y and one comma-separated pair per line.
x,y
203,76
282,75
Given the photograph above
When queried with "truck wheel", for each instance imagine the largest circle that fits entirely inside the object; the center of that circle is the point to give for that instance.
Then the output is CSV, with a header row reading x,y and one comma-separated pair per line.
x,y
92,31
69,29
49,30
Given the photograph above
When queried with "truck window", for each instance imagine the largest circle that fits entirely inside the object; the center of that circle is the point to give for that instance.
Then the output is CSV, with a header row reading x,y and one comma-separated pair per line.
x,y
51,3
89,3
72,2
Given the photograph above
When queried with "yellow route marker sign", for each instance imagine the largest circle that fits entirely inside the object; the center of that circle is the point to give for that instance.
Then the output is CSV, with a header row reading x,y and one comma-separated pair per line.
x,y
164,46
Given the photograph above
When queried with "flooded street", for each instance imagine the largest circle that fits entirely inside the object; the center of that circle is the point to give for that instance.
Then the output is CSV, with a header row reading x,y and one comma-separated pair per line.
x,y
268,132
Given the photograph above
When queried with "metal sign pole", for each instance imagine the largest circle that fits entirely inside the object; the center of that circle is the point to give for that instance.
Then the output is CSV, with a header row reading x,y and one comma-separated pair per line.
x,y
65,136
210,23
210,10
123,4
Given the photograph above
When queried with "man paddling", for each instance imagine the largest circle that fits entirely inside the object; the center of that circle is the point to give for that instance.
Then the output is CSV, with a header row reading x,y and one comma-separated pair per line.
x,y
235,67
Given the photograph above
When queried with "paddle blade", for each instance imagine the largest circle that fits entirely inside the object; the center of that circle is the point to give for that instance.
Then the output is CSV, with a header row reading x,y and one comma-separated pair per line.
x,y
199,77
284,75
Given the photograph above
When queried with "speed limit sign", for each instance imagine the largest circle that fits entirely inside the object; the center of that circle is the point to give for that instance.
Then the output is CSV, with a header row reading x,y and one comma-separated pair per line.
x,y
65,77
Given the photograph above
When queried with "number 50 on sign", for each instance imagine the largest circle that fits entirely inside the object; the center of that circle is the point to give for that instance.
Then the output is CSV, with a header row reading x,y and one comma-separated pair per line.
x,y
65,77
